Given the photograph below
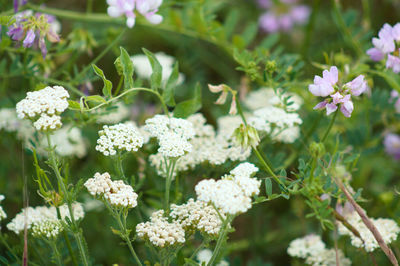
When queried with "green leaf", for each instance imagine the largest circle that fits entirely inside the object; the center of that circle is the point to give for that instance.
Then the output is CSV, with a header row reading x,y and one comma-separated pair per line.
x,y
95,99
268,187
156,76
74,105
168,94
270,41
107,84
283,173
230,22
7,20
250,33
126,65
186,108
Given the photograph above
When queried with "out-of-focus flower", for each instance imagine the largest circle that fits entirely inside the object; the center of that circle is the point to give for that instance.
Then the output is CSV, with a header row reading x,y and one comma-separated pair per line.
x,y
147,8
392,145
339,95
386,46
143,67
394,96
32,29
282,15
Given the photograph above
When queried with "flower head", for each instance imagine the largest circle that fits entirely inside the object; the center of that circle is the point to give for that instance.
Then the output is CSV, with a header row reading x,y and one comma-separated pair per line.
x,y
392,145
147,8
386,46
339,96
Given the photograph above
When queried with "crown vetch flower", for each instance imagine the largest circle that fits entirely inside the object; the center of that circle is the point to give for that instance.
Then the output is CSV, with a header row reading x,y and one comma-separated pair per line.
x,y
387,46
339,96
147,8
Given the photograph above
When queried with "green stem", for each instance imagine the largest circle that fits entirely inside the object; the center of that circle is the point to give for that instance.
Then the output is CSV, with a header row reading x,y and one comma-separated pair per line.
x,y
89,6
126,238
119,167
330,126
67,242
222,235
267,168
56,252
164,106
62,83
313,166
200,247
168,181
77,233
5,243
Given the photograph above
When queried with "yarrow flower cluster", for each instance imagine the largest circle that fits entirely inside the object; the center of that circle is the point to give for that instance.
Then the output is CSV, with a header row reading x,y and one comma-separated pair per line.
x,y
388,229
207,146
44,107
338,95
313,250
387,46
119,137
117,193
143,67
47,229
232,193
34,215
173,134
392,145
282,15
147,8
159,232
197,215
33,29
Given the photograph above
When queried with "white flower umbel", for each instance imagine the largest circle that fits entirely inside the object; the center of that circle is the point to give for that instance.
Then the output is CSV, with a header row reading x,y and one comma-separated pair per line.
x,y
117,193
159,125
279,124
172,145
328,257
39,214
50,101
47,229
388,229
143,67
159,232
197,215
44,107
306,246
232,193
119,137
46,122
265,97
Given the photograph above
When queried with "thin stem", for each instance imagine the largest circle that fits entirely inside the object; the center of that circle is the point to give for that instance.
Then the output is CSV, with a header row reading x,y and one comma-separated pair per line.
x,y
89,6
164,106
313,166
122,226
330,126
119,167
77,233
168,181
5,243
222,235
267,168
200,247
66,238
56,252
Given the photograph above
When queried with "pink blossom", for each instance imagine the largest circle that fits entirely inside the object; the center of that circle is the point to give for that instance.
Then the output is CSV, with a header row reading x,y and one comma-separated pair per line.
x,y
393,62
324,86
392,145
357,85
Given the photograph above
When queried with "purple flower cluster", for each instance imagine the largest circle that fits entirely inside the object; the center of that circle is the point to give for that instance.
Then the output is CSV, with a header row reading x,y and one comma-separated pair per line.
x,y
387,46
282,15
147,8
392,145
18,3
32,29
327,86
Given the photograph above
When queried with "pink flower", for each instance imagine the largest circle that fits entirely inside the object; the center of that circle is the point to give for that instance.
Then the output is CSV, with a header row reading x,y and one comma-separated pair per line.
x,y
393,62
357,85
392,145
337,96
324,86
